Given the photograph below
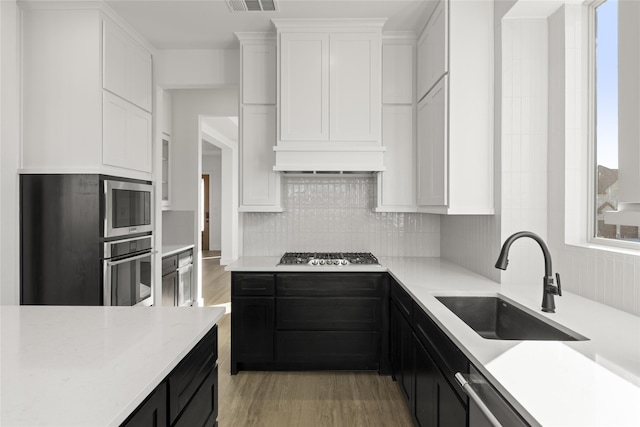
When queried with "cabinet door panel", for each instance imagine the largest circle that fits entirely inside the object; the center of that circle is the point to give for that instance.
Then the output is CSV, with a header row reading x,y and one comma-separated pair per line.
x,y
451,411
115,43
259,73
169,283
139,76
139,140
355,72
114,139
397,73
398,181
252,324
432,49
203,408
304,82
260,184
153,412
426,387
432,147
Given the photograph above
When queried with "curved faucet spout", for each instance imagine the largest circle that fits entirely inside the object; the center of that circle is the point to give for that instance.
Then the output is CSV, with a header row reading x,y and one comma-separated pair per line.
x,y
503,259
548,304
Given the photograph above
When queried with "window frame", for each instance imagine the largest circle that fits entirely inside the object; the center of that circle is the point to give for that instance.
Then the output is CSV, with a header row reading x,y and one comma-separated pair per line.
x,y
591,137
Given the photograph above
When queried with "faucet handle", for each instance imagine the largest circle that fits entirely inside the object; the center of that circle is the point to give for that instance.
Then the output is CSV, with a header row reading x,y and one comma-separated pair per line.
x,y
558,284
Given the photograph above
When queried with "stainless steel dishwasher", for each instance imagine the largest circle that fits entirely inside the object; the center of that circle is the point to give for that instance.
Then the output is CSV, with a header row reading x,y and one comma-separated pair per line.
x,y
487,407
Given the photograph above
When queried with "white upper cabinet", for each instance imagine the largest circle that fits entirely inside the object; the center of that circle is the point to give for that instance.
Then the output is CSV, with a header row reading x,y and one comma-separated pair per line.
x,y
455,113
258,72
127,67
432,49
329,100
260,185
87,94
398,71
397,184
354,72
304,87
432,147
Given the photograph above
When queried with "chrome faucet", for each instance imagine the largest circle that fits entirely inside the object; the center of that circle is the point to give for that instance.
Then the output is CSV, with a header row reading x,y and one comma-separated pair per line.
x,y
549,290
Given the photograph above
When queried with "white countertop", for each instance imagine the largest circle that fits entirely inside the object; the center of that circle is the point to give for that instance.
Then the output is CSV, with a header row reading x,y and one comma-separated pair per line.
x,y
173,249
581,383
90,366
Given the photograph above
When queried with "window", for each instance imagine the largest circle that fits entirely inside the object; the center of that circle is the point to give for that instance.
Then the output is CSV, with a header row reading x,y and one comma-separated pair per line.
x,y
616,189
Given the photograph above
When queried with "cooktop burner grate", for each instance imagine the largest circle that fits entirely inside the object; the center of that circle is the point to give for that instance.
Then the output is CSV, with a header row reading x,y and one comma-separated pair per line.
x,y
328,258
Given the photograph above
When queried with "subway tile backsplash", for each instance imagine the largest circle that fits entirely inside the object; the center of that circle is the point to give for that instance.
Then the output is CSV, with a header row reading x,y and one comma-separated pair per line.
x,y
337,214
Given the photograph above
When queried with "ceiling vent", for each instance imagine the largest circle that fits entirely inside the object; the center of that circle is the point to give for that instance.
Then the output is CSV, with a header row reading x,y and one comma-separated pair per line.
x,y
252,5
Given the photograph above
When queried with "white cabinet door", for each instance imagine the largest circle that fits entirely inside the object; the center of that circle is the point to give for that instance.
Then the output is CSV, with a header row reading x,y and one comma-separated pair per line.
x,y
126,67
260,184
355,72
432,147
397,74
126,140
304,87
432,49
259,73
397,189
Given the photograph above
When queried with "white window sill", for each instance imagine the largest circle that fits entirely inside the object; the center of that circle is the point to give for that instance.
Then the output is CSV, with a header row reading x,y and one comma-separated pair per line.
x,y
607,248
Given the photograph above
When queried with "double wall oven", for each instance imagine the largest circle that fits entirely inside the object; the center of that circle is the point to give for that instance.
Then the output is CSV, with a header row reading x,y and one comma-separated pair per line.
x,y
128,243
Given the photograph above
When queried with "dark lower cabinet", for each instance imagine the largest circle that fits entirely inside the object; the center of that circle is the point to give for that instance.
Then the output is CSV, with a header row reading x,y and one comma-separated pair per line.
x,y
152,412
308,321
189,394
424,362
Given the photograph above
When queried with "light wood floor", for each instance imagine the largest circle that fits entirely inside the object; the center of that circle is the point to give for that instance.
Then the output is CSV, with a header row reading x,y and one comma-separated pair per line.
x,y
305,399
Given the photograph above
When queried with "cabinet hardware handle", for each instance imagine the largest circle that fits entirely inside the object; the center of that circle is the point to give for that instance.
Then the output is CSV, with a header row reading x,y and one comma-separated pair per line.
x,y
466,386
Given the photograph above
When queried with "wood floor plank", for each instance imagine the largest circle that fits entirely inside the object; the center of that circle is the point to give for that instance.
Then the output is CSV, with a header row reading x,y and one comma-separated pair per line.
x,y
305,399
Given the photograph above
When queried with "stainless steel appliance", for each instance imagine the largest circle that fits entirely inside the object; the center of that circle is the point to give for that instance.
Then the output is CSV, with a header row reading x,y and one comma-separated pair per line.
x,y
487,407
128,271
127,208
316,259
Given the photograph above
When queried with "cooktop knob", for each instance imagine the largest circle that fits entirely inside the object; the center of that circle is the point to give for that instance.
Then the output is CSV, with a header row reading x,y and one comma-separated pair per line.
x,y
314,262
343,261
322,262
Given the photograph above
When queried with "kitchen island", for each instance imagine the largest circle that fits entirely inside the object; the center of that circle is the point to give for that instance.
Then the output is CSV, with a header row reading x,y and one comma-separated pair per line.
x,y
91,366
551,383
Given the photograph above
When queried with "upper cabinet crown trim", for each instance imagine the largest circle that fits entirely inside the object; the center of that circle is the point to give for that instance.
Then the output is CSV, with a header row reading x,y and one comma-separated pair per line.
x,y
350,24
255,36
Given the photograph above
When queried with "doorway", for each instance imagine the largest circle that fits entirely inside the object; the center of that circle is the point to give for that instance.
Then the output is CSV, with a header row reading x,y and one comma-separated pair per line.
x,y
205,213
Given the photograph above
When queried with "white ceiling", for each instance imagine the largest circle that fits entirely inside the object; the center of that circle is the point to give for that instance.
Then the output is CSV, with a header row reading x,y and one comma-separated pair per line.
x,y
206,24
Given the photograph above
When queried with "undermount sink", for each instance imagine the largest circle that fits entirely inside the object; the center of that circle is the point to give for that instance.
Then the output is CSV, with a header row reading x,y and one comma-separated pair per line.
x,y
495,318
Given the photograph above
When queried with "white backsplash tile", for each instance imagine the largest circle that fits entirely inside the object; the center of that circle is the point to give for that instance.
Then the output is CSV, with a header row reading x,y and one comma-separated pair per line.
x,y
336,214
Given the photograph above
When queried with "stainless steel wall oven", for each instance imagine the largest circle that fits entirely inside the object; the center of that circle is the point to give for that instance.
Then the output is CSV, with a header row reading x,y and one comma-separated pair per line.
x,y
128,271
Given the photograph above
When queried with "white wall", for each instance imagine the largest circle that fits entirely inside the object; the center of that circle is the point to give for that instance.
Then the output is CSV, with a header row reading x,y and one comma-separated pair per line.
x,y
188,105
197,68
9,152
212,166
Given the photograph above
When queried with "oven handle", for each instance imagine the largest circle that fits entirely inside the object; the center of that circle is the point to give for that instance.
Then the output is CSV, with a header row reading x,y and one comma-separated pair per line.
x,y
477,399
122,261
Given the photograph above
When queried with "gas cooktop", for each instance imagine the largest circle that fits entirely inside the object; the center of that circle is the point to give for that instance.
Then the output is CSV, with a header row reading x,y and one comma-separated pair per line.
x,y
328,258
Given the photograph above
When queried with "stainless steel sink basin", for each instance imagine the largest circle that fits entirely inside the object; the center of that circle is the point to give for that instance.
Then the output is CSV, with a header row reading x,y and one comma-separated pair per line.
x,y
495,318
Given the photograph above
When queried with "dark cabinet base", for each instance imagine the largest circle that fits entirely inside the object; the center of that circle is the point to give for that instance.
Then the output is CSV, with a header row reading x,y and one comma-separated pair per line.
x,y
309,321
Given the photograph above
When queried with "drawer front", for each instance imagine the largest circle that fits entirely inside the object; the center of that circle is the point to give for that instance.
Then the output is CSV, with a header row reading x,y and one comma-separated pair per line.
x,y
331,314
202,410
252,284
330,284
327,346
169,264
186,378
402,299
185,258
446,354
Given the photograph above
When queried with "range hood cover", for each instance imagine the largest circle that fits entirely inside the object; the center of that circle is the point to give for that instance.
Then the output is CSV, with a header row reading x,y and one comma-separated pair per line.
x,y
308,158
